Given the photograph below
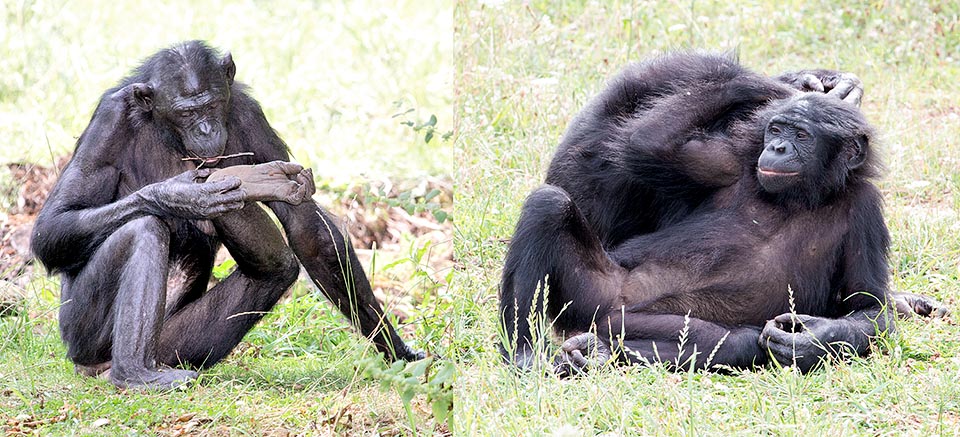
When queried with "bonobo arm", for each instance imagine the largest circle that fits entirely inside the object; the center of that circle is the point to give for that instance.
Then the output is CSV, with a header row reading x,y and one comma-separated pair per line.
x,y
807,340
676,141
82,209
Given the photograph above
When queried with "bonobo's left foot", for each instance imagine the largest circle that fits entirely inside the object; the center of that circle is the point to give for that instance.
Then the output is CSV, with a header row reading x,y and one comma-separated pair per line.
x,y
580,354
909,305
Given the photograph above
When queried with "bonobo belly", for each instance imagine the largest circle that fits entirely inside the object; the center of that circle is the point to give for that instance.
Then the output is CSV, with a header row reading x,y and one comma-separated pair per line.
x,y
731,274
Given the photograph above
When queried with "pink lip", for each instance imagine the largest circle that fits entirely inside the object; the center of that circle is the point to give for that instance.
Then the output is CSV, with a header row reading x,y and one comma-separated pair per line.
x,y
776,173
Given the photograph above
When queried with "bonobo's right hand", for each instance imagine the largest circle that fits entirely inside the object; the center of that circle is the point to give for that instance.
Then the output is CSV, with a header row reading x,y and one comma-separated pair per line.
x,y
186,196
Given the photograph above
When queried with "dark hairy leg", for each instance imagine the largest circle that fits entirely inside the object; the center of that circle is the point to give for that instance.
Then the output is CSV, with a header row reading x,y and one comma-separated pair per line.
x,y
112,310
553,253
205,330
331,262
636,337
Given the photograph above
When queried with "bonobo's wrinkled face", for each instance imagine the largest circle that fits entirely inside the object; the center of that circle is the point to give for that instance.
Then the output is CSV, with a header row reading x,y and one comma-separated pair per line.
x,y
192,96
789,148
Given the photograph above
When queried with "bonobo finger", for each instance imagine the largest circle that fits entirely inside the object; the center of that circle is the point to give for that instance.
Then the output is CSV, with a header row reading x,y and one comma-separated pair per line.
x,y
224,208
773,333
306,178
223,185
782,353
849,89
299,193
854,97
231,197
810,82
201,173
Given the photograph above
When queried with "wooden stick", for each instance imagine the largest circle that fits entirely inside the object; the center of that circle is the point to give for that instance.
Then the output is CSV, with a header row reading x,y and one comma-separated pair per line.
x,y
202,160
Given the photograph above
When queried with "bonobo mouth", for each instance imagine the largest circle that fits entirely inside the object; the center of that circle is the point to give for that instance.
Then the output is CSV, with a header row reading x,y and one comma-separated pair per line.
x,y
769,172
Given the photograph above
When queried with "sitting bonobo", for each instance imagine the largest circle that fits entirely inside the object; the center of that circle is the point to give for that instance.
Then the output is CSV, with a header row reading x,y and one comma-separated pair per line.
x,y
134,223
695,196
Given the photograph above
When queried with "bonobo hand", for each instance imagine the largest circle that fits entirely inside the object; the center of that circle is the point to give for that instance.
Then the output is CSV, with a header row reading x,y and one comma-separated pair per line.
x,y
808,80
805,340
184,196
909,305
273,181
580,354
845,86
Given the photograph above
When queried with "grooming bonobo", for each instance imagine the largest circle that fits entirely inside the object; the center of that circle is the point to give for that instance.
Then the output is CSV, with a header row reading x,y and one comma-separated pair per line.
x,y
142,203
693,194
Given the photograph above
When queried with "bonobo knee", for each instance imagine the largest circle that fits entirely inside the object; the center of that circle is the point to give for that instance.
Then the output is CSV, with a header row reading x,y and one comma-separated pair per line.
x,y
548,201
289,269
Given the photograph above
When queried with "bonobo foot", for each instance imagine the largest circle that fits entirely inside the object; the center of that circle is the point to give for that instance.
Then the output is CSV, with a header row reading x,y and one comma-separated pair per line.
x,y
99,370
580,354
411,355
909,305
146,379
272,181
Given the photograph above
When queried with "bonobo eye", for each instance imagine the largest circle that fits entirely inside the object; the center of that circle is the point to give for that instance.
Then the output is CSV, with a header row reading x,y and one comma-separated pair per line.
x,y
802,135
774,130
185,113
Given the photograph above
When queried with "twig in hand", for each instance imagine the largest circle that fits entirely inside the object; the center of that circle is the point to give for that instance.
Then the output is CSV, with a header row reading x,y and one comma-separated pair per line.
x,y
204,160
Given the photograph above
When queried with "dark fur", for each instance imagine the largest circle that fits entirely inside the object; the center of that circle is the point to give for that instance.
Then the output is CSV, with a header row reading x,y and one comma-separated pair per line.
x,y
113,244
653,211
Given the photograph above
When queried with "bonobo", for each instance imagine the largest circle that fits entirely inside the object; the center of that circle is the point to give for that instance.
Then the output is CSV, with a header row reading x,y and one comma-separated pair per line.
x,y
695,194
133,224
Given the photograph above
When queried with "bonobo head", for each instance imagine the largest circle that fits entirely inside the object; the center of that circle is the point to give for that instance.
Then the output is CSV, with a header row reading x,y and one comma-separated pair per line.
x,y
187,89
813,144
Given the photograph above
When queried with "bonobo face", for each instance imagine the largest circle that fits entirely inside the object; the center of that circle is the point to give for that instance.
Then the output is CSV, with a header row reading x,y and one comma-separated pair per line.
x,y
199,116
192,97
788,147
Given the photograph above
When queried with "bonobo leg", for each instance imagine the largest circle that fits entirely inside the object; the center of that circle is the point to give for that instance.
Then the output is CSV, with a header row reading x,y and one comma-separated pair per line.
x,y
113,309
202,332
332,263
553,244
645,338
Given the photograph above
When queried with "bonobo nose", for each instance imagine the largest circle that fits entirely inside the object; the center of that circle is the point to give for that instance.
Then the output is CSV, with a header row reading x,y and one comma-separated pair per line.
x,y
780,148
204,128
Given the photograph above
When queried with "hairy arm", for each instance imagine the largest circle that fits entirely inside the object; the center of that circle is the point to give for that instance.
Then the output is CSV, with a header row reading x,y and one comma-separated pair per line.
x,y
683,138
82,209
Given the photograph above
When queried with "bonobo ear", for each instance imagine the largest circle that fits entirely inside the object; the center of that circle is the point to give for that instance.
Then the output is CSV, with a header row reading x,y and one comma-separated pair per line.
x,y
858,153
143,96
228,67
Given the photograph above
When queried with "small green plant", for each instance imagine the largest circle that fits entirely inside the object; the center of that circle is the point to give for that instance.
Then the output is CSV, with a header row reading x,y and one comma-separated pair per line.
x,y
429,127
430,377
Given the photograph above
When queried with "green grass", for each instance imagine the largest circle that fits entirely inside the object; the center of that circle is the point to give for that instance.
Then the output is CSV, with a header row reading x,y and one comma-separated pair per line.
x,y
524,69
337,80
